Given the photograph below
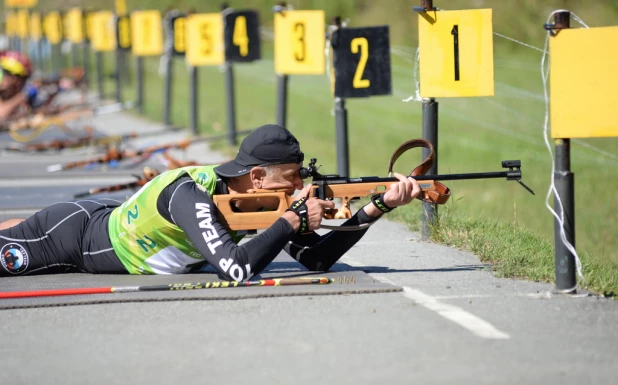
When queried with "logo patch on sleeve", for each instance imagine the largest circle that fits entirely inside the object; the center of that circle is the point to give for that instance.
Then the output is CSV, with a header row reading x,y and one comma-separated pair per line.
x,y
14,258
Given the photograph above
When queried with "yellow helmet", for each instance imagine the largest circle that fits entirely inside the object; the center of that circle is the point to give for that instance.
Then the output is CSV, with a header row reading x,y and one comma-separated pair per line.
x,y
16,63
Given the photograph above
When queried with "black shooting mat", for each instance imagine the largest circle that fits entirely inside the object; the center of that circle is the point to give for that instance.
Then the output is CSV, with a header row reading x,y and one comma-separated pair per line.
x,y
347,280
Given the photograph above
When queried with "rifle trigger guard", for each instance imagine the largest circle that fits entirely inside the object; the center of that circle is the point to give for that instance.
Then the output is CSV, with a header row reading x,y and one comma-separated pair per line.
x,y
441,194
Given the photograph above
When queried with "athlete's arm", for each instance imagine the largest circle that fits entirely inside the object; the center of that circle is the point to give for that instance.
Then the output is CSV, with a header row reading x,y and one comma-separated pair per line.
x,y
320,252
7,107
195,213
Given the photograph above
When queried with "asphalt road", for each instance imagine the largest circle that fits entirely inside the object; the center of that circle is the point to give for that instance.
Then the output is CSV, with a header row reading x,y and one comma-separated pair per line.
x,y
454,322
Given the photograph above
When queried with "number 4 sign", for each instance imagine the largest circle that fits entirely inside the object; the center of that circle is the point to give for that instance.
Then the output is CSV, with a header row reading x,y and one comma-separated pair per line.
x,y
456,53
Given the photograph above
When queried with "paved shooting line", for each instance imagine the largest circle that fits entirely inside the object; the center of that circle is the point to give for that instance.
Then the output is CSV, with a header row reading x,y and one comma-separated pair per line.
x,y
474,324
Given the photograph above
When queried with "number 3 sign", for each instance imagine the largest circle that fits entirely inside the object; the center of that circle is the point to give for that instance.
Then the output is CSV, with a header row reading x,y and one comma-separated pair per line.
x,y
456,53
362,62
299,42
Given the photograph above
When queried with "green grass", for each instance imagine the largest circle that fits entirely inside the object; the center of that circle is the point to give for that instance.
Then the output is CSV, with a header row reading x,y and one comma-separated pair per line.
x,y
495,219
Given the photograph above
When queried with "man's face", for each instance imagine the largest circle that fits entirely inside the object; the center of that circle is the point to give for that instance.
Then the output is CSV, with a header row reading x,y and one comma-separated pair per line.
x,y
11,85
284,177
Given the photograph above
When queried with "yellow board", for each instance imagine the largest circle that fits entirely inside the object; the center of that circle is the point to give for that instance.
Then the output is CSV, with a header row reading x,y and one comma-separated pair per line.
x,y
299,42
73,25
121,7
35,26
103,31
205,39
583,83
20,3
9,28
52,27
88,25
22,23
146,33
456,53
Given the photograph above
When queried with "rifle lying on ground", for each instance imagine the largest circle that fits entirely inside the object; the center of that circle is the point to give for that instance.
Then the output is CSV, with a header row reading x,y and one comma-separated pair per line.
x,y
116,155
61,144
83,141
330,187
58,116
148,174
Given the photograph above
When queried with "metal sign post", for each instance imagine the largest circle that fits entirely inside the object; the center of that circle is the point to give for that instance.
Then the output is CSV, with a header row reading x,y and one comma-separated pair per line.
x,y
448,71
241,36
299,49
362,66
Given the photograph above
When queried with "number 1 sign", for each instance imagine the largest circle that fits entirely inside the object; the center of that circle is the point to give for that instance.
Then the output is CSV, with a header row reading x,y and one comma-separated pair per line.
x,y
456,53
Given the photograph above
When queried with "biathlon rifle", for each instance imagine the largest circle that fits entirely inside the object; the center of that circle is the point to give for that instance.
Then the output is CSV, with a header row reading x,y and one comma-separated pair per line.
x,y
148,174
61,144
116,155
331,187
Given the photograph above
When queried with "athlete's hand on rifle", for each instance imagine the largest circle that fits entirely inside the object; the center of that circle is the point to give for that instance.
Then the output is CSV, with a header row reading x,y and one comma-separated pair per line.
x,y
402,192
306,214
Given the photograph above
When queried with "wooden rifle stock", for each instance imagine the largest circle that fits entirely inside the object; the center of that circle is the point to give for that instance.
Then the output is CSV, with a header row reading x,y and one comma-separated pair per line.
x,y
347,192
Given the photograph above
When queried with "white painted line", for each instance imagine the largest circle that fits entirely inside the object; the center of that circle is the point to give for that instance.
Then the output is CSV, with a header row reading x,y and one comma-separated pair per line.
x,y
463,296
461,317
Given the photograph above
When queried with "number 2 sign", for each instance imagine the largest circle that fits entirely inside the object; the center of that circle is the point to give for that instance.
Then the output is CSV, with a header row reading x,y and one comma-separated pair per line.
x,y
456,53
362,62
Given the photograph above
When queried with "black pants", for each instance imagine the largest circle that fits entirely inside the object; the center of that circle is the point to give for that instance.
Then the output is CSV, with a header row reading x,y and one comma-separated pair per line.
x,y
63,238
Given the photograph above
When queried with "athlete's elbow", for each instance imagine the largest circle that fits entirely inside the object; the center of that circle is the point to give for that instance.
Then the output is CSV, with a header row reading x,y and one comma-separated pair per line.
x,y
232,270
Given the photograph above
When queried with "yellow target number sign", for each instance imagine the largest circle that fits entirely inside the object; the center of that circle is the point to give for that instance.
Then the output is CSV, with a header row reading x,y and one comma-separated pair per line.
x,y
103,31
456,53
205,39
22,23
52,27
73,25
146,33
35,26
10,24
299,42
583,83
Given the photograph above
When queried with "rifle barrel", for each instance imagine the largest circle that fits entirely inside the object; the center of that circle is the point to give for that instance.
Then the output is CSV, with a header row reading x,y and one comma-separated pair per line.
x,y
333,179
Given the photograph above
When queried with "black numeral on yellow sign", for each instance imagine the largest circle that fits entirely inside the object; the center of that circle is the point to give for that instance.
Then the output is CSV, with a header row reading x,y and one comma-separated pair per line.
x,y
242,36
455,33
362,62
300,49
205,39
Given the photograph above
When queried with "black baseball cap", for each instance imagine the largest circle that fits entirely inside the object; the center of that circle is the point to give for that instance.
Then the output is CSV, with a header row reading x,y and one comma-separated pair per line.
x,y
266,145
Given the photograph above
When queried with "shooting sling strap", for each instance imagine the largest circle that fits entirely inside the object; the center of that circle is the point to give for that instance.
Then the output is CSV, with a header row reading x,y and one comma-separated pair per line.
x,y
441,193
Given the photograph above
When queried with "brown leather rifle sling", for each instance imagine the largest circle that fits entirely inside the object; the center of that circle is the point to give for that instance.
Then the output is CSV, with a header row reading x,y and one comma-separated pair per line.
x,y
441,194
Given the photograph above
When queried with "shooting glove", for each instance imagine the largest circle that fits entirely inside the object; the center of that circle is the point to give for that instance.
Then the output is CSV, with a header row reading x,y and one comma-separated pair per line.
x,y
299,208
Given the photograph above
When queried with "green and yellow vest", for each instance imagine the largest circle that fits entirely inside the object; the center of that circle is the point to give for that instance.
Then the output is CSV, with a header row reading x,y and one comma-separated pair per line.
x,y
144,241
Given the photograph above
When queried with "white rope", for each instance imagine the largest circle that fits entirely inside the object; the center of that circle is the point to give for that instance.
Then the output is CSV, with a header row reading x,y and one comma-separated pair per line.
x,y
519,42
552,187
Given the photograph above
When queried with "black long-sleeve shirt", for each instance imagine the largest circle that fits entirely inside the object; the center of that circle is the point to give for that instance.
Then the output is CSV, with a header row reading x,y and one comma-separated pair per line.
x,y
180,202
